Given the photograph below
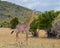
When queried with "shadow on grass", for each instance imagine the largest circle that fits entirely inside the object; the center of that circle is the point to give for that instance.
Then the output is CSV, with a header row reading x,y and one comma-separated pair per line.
x,y
44,37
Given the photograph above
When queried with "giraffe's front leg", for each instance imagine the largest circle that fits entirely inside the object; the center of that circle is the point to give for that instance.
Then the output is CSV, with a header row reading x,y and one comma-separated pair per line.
x,y
17,36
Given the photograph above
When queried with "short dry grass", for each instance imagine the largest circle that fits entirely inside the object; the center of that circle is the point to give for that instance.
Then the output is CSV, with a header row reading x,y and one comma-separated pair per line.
x,y
9,41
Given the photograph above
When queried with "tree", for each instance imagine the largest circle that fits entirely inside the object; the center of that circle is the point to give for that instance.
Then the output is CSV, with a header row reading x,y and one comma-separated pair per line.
x,y
14,22
44,21
46,18
56,26
34,26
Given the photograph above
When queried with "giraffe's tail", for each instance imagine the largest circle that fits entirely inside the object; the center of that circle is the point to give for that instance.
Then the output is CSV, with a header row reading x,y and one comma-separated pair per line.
x,y
12,32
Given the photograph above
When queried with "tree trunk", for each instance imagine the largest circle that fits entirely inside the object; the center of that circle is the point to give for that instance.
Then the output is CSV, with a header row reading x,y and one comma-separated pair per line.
x,y
35,34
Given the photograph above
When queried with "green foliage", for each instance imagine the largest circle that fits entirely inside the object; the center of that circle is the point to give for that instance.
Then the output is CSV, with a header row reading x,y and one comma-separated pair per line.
x,y
33,27
46,18
14,22
43,21
56,20
5,24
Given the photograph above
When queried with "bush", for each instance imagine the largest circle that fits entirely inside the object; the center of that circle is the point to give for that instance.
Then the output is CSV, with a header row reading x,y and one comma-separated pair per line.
x,y
5,24
33,28
14,22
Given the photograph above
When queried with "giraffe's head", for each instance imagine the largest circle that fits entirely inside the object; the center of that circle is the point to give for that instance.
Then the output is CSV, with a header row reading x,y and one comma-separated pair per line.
x,y
33,12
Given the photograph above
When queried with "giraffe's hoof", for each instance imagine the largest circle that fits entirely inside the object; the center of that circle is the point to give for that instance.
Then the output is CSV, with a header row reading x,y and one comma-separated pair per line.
x,y
21,43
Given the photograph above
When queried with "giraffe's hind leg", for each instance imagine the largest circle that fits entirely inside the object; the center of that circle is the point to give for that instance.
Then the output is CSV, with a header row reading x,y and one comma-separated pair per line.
x,y
26,36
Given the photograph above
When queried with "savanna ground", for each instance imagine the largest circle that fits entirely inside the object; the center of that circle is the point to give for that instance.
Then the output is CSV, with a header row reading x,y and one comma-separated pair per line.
x,y
9,41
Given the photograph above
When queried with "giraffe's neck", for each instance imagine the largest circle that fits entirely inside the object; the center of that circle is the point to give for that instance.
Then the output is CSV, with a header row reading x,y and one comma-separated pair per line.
x,y
30,19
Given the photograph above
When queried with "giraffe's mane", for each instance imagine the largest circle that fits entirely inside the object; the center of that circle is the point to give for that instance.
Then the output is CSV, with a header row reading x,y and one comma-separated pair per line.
x,y
29,18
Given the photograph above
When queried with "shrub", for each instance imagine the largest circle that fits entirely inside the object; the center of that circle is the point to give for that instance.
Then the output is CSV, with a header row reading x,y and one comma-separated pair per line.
x,y
14,22
33,28
4,24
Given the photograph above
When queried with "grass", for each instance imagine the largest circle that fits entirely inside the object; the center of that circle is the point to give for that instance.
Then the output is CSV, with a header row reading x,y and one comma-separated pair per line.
x,y
9,41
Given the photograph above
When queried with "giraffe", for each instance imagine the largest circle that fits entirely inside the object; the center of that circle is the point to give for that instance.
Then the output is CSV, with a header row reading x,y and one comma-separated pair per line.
x,y
24,26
